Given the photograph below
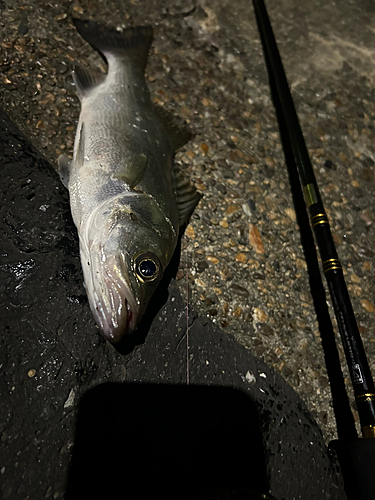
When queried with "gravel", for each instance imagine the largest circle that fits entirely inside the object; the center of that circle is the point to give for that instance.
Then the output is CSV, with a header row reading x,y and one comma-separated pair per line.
x,y
241,254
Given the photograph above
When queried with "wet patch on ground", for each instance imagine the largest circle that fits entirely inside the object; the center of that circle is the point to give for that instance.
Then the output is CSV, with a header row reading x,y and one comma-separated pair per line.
x,y
184,390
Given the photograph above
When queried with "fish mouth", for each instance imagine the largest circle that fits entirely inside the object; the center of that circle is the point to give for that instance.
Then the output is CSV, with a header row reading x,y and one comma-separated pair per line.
x,y
113,306
112,324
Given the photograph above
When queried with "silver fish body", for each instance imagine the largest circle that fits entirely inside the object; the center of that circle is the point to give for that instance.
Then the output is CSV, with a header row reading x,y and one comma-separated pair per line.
x,y
126,198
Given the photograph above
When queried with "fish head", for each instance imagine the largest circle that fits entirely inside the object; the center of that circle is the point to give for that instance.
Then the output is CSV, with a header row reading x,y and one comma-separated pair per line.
x,y
123,258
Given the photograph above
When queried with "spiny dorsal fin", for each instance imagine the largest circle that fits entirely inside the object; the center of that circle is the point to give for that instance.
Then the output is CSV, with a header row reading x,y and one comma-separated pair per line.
x,y
179,134
85,80
133,170
64,169
186,195
131,43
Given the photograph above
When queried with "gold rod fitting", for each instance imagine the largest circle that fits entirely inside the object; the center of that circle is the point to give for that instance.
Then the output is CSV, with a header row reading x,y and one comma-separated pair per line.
x,y
368,431
331,264
367,395
319,219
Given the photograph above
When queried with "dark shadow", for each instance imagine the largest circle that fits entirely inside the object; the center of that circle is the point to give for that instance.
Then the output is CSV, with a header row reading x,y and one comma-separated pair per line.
x,y
343,414
164,441
159,298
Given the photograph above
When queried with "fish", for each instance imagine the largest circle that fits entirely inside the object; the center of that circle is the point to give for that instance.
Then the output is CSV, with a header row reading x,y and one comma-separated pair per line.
x,y
127,197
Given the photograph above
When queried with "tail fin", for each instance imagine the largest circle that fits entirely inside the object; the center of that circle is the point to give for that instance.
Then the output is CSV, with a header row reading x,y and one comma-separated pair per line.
x,y
131,43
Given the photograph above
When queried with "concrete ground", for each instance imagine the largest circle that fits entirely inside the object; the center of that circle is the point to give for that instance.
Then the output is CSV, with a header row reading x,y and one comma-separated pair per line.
x,y
242,259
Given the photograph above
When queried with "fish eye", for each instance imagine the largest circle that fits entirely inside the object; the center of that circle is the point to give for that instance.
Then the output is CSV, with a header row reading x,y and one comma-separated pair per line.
x,y
147,267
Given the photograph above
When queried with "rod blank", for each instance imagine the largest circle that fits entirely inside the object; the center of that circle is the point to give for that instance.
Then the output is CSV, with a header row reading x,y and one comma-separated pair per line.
x,y
359,369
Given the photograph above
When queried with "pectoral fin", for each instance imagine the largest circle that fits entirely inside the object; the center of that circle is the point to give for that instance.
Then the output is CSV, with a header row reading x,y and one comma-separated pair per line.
x,y
80,155
64,169
133,170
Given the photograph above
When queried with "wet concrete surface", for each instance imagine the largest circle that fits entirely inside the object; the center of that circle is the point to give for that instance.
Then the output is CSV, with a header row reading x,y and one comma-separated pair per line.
x,y
182,394
241,253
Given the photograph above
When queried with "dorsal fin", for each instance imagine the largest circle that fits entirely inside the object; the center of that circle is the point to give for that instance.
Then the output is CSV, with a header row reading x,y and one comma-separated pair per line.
x,y
179,134
85,80
131,43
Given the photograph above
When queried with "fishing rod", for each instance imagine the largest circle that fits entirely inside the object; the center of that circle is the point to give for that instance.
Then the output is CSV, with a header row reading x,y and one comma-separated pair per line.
x,y
353,454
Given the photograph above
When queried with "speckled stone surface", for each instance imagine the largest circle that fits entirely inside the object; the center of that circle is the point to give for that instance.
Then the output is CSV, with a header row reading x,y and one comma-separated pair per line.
x,y
181,404
241,255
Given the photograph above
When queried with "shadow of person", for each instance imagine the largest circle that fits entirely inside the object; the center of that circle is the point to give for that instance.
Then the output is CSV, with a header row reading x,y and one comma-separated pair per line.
x,y
145,440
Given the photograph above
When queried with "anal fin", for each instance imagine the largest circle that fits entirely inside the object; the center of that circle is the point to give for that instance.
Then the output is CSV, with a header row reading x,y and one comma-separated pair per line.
x,y
187,196
179,134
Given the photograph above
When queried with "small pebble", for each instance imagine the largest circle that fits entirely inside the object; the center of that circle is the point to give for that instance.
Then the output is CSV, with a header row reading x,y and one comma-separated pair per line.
x,y
78,8
225,309
328,164
204,148
259,315
239,290
354,278
270,161
252,205
23,29
47,98
180,274
255,239
366,266
369,306
237,312
60,17
367,174
241,257
223,223
212,259
258,276
287,371
62,68
231,209
221,188
301,264
290,212
367,216
31,373
190,233
200,283
266,330
212,206
201,266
